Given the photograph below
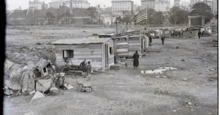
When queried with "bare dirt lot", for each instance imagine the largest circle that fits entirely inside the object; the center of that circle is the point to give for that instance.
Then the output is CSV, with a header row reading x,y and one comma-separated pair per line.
x,y
189,90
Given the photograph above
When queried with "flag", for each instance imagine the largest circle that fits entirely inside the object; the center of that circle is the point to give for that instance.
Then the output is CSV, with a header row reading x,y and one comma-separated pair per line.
x,y
142,15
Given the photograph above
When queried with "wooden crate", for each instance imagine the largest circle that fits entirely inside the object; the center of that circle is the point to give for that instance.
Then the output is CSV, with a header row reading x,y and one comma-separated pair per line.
x,y
43,84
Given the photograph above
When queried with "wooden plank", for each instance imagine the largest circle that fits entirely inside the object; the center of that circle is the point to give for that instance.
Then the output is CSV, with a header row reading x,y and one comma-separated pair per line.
x,y
95,46
122,47
133,49
123,54
123,43
122,50
87,52
134,44
79,49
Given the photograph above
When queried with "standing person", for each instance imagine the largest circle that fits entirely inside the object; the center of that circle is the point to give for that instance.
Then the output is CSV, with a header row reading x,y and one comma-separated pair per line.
x,y
136,60
163,38
83,65
150,39
89,70
199,34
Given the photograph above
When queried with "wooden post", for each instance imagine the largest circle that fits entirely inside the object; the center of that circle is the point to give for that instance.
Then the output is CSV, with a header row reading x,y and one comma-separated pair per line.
x,y
189,21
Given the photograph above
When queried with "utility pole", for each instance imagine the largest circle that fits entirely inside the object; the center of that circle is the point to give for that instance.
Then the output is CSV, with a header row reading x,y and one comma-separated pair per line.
x,y
71,7
146,16
116,26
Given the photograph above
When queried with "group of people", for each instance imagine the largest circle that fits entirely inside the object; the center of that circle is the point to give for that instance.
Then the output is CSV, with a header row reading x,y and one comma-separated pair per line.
x,y
86,68
162,39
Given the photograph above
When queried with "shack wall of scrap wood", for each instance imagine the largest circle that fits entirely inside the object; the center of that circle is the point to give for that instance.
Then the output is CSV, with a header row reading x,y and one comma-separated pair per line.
x,y
125,46
191,34
98,51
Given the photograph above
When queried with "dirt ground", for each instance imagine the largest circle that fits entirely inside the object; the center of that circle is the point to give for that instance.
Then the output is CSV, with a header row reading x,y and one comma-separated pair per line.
x,y
189,90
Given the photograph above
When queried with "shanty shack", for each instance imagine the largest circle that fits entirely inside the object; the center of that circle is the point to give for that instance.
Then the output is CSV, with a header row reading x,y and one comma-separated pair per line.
x,y
98,51
126,45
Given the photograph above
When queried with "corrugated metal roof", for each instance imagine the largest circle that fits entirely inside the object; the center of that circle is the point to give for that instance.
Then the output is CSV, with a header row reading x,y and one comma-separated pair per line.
x,y
80,41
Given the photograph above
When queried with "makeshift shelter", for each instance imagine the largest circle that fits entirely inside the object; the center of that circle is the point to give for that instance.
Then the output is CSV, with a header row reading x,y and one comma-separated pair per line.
x,y
190,34
127,44
22,76
98,51
17,17
14,74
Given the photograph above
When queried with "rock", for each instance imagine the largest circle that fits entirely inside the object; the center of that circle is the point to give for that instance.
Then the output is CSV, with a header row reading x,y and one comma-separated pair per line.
x,y
31,113
177,47
184,79
211,69
164,76
174,110
183,60
158,76
189,103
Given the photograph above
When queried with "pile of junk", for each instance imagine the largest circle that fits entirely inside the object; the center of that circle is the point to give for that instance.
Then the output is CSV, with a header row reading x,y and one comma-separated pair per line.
x,y
38,79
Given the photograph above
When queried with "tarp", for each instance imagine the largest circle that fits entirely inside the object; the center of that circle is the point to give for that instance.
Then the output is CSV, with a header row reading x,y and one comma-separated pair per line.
x,y
21,75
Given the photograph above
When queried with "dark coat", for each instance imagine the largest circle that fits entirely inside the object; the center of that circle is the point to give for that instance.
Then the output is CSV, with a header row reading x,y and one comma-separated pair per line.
x,y
136,59
83,66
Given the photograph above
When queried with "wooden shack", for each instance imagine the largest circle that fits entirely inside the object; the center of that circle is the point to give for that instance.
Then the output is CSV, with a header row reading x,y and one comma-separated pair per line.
x,y
127,44
98,51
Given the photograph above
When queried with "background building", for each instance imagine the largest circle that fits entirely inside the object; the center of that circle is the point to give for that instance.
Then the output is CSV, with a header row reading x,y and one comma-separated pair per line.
x,y
120,6
75,3
35,4
162,5
176,3
148,4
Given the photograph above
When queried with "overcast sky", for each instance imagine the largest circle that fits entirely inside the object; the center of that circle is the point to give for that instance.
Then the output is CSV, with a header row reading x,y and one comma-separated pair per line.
x,y
12,4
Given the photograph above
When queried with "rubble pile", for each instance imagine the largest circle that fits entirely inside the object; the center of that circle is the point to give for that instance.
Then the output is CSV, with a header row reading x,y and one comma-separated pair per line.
x,y
39,78
22,54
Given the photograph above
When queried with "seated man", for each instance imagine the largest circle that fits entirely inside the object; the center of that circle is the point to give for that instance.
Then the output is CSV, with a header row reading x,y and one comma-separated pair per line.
x,y
83,65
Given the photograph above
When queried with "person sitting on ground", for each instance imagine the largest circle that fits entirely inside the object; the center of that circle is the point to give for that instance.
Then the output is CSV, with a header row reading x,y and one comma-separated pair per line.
x,y
83,65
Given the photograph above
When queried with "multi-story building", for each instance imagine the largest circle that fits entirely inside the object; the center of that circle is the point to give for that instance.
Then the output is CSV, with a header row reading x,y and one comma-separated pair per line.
x,y
214,6
35,4
162,5
176,3
75,3
121,6
211,3
185,5
148,4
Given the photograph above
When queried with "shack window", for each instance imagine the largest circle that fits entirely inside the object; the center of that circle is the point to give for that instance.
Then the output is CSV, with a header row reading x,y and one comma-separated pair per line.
x,y
67,53
110,50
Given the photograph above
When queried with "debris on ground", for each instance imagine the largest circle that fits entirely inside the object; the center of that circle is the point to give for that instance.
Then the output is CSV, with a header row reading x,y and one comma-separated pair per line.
x,y
158,71
184,79
37,95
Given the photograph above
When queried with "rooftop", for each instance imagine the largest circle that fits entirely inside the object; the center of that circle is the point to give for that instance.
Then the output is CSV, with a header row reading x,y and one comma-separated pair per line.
x,y
80,41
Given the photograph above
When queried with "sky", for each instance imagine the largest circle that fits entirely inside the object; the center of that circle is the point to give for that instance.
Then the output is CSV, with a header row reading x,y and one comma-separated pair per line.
x,y
12,4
